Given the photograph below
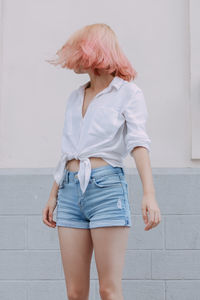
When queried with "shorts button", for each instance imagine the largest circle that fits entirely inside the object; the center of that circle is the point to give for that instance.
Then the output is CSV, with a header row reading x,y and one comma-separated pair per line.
x,y
76,176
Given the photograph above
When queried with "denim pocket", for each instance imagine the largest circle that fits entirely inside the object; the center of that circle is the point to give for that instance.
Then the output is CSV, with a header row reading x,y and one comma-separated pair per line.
x,y
113,187
107,181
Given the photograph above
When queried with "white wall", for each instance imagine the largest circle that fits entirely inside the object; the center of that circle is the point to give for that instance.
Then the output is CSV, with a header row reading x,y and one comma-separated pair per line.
x,y
155,37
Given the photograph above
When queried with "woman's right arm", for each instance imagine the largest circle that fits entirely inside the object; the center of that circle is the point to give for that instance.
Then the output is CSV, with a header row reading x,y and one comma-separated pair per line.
x,y
52,201
48,210
54,192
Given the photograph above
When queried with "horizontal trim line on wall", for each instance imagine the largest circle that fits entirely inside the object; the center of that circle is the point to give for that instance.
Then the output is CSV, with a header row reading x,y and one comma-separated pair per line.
x,y
128,171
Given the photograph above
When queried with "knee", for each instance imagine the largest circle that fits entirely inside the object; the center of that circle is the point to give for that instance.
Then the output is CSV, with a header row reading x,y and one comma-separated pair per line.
x,y
76,294
108,293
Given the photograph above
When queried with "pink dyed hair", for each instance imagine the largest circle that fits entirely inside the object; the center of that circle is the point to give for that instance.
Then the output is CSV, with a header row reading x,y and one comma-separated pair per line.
x,y
95,47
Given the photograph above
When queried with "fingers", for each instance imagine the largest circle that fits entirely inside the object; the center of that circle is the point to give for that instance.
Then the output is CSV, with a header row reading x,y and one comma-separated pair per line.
x,y
144,215
51,217
47,216
154,218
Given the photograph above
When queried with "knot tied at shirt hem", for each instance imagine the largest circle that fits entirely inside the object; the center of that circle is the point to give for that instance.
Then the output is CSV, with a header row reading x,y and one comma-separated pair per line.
x,y
83,172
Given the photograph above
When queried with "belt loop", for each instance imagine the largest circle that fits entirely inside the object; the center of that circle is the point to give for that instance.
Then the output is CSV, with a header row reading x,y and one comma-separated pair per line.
x,y
62,181
122,171
67,176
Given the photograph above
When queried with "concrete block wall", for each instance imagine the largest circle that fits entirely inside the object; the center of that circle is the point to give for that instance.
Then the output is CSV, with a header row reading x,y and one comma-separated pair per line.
x,y
160,264
161,42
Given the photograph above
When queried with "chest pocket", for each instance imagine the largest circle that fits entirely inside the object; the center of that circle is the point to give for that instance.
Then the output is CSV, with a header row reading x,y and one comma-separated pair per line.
x,y
105,122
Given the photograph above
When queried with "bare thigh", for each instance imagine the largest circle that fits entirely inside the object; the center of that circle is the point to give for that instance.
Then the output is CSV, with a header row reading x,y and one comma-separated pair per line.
x,y
76,251
109,248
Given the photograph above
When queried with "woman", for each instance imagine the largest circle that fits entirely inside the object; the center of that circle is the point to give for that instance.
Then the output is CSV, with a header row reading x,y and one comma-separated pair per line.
x,y
104,121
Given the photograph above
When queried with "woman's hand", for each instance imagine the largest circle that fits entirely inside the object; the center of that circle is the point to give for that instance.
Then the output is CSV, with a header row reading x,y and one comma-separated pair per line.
x,y
47,212
150,206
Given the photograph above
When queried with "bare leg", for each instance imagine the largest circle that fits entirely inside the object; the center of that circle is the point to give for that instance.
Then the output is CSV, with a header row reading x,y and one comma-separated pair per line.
x,y
109,249
76,252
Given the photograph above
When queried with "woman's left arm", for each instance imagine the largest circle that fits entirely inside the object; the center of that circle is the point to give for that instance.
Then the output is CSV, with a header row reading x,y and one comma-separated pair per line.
x,y
149,203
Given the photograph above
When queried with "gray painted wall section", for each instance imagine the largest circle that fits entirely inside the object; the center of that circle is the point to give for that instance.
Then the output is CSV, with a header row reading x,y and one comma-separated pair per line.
x,y
161,264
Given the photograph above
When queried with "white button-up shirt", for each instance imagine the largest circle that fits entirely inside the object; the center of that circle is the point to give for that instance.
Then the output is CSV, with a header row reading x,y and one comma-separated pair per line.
x,y
113,125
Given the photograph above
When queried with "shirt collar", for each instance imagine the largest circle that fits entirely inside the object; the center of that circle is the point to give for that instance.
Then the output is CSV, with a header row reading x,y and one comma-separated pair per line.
x,y
116,82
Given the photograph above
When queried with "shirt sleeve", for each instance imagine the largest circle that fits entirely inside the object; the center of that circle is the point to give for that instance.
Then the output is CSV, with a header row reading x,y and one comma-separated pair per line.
x,y
136,115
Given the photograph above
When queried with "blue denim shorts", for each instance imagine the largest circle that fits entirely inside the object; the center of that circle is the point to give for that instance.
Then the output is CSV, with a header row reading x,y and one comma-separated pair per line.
x,y
104,202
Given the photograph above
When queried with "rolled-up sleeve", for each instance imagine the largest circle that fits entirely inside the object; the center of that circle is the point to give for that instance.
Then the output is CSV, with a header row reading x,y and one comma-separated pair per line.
x,y
136,115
